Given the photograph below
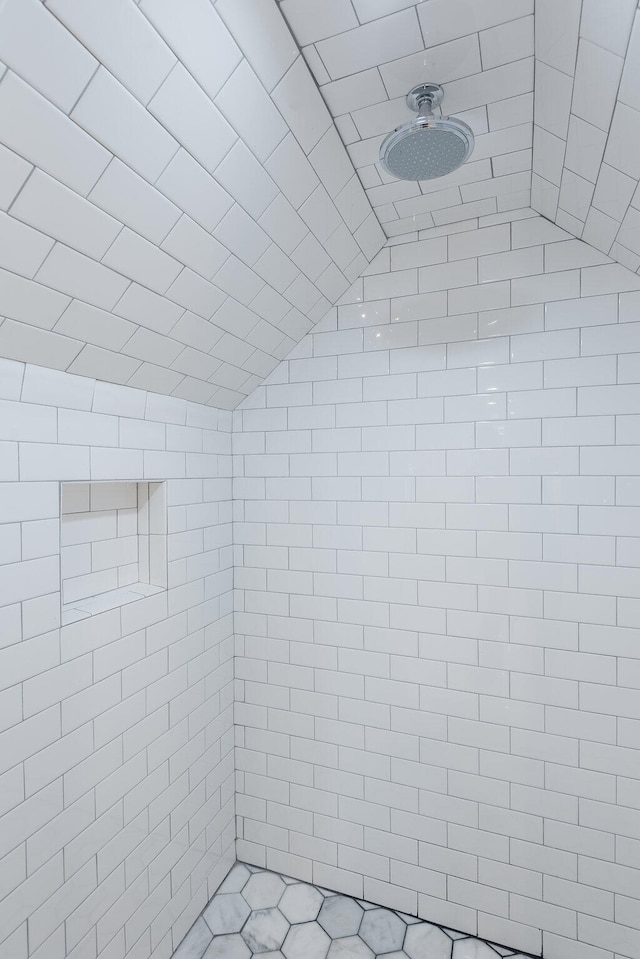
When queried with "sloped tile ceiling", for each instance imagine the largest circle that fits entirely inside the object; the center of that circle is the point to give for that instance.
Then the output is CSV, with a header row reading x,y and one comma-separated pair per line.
x,y
177,206
367,54
587,122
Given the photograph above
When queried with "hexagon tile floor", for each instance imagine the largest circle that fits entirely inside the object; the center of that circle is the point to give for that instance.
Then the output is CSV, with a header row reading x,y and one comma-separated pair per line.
x,y
260,913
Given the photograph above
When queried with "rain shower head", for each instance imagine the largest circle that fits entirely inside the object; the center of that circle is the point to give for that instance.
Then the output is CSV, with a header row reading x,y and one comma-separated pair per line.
x,y
429,146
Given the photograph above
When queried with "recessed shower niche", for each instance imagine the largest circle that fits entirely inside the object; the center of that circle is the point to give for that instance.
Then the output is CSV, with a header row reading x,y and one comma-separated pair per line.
x,y
113,545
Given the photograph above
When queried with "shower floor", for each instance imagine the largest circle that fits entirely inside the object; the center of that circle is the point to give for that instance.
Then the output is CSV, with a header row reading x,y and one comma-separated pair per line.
x,y
260,913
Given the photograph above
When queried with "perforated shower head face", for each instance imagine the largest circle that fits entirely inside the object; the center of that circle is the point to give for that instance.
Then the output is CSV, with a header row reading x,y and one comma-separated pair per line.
x,y
429,146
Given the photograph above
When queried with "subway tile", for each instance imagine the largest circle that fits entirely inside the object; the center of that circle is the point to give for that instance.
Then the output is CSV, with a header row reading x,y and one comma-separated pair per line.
x,y
243,87
55,210
185,183
270,61
401,29
482,353
190,36
552,286
487,296
301,480
596,61
496,239
307,123
518,319
571,255
557,36
337,18
23,248
612,278
124,41
201,130
136,138
34,46
501,266
553,99
455,274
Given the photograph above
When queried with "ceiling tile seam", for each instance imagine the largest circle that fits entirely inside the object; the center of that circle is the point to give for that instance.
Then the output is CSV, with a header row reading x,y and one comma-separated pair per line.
x,y
482,67
422,30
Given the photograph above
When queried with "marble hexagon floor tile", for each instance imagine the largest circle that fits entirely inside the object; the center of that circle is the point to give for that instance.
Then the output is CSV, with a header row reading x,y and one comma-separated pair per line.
x,y
257,913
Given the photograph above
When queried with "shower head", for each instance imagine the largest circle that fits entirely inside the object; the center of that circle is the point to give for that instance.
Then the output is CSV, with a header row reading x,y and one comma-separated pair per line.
x,y
429,146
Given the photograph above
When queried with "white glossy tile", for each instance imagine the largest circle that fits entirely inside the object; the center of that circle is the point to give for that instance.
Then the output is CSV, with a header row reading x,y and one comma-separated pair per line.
x,y
39,133
312,24
597,77
585,148
441,23
507,42
202,130
198,37
449,61
379,41
261,129
552,100
124,41
249,26
556,31
609,28
624,137
302,107
34,45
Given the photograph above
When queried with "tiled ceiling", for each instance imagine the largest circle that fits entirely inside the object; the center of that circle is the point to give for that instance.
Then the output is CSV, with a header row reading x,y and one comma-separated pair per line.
x,y
587,122
367,54
177,208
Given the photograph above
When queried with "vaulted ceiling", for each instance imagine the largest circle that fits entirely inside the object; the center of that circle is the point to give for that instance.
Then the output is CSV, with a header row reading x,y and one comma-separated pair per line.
x,y
185,188
179,208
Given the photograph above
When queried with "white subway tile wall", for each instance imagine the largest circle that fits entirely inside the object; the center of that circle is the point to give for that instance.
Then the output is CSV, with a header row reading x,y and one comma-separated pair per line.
x,y
437,534
116,741
166,177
